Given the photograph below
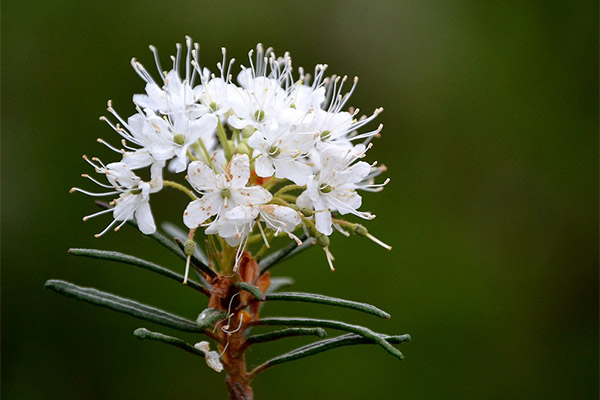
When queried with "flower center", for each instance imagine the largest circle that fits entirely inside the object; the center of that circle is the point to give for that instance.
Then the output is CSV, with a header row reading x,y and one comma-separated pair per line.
x,y
274,151
325,135
225,193
179,139
326,189
259,115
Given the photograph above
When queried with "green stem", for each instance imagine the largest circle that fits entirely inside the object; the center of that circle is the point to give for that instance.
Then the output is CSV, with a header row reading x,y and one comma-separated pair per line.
x,y
181,188
205,151
223,139
288,188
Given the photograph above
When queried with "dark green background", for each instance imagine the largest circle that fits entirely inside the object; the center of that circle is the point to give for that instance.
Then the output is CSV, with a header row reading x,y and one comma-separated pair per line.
x,y
491,139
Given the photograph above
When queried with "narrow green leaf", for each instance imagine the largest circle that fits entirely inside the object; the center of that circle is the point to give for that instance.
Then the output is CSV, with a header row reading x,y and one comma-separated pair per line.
x,y
176,232
209,317
122,305
279,282
197,264
272,259
324,345
138,262
167,243
323,323
332,301
143,333
248,287
285,333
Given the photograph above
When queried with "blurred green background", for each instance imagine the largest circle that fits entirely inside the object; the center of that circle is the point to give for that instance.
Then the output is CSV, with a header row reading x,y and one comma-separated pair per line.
x,y
491,139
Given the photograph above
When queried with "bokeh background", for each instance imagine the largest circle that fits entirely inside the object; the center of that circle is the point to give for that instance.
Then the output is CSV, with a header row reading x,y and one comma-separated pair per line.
x,y
491,139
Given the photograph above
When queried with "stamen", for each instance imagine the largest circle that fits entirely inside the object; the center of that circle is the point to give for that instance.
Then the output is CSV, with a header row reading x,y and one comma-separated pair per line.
x,y
379,242
330,258
187,269
262,232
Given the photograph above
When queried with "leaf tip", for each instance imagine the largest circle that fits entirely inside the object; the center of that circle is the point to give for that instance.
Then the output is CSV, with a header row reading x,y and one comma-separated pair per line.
x,y
141,333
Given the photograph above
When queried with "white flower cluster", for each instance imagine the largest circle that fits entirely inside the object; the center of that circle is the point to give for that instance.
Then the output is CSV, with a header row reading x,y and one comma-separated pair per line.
x,y
246,147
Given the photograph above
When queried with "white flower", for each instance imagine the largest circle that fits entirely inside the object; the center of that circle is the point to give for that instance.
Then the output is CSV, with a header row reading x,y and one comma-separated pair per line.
x,y
279,151
221,192
134,194
280,219
175,94
334,188
174,135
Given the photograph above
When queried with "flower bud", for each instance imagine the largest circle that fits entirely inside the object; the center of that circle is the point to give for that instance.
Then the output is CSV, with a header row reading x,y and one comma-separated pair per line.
x,y
248,131
243,148
323,240
307,212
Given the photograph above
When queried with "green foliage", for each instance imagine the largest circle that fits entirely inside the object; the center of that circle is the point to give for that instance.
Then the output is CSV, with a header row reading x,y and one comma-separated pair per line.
x,y
123,305
332,301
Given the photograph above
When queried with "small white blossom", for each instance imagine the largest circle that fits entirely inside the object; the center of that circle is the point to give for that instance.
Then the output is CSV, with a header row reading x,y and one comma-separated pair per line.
x,y
221,192
280,151
134,194
334,188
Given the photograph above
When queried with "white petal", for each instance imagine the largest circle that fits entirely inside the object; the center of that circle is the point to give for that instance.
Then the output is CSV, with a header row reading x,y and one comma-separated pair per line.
x,y
323,221
292,170
258,141
144,218
354,174
137,159
280,217
201,176
200,210
304,200
239,170
264,167
254,195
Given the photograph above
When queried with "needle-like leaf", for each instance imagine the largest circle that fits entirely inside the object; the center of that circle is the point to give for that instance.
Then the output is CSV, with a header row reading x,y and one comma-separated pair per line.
x,y
285,333
143,333
332,301
123,305
324,345
324,323
248,287
138,262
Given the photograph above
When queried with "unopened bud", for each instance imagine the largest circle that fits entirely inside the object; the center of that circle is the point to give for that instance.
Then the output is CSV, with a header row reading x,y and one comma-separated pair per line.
x,y
360,230
248,131
323,240
189,247
307,212
243,149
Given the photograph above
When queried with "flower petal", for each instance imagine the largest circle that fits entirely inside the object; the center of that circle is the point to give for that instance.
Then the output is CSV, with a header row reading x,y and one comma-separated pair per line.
x,y
239,170
264,167
201,176
200,210
254,195
144,219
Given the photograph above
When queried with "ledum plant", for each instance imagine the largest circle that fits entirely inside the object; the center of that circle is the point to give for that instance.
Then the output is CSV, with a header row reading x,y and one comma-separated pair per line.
x,y
272,164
